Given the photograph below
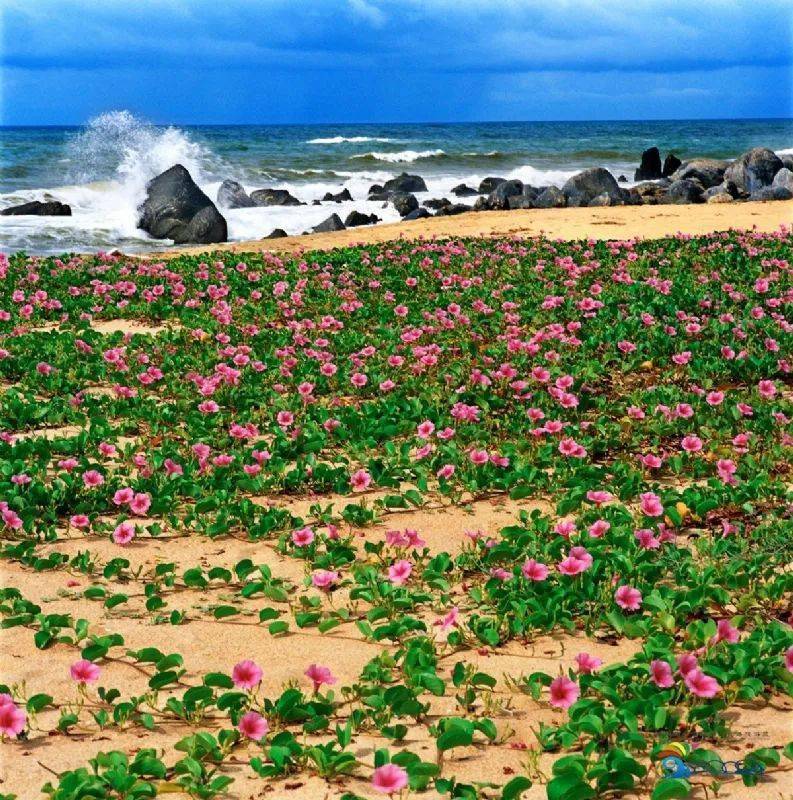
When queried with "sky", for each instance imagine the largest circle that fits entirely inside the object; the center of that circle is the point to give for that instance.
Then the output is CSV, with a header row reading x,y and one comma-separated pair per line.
x,y
307,61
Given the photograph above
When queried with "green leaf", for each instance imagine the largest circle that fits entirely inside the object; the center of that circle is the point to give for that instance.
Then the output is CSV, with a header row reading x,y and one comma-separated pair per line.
x,y
670,788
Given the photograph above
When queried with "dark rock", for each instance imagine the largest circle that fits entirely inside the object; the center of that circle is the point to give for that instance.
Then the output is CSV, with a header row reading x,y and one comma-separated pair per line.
x,y
489,184
406,183
375,188
316,203
232,195
706,171
499,197
671,163
622,179
37,208
784,178
650,193
274,197
404,202
683,191
772,193
380,196
787,162
435,203
550,197
461,190
520,201
754,169
339,197
416,213
356,218
332,223
584,187
650,167
453,210
175,208
277,233
604,199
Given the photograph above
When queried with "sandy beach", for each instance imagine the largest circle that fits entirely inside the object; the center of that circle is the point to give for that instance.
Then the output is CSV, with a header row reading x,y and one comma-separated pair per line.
x,y
617,222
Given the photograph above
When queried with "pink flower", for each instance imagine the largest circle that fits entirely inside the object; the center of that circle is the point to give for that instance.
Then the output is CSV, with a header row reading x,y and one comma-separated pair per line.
x,y
479,457
767,389
93,478
725,632
714,398
324,578
284,418
12,719
628,598
389,779
360,480
400,571
80,521
123,496
564,692
446,471
253,725
247,674
533,570
84,671
587,664
449,621
700,684
687,662
661,674
140,504
691,443
303,537
651,504
599,497
124,533
319,675
425,429
789,659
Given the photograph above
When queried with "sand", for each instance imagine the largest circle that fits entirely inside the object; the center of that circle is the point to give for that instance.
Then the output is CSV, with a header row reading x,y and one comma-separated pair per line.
x,y
619,222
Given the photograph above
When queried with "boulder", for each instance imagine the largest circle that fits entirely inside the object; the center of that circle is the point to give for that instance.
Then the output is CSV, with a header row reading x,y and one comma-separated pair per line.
x,y
650,193
520,201
375,188
383,197
436,202
784,178
622,179
499,197
489,184
671,163
38,208
339,197
584,187
416,213
717,195
232,195
650,166
683,191
550,197
404,202
175,208
274,197
461,190
706,171
356,218
787,162
772,193
277,233
452,210
604,199
406,183
754,169
332,223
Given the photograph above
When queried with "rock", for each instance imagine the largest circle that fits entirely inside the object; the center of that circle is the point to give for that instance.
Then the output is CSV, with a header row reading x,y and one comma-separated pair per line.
x,y
405,183
461,190
754,169
622,179
175,208
784,178
274,197
601,200
787,162
550,197
489,184
277,233
584,187
717,195
650,167
380,196
375,188
339,197
520,201
683,191
499,198
649,193
772,193
453,210
404,202
671,163
332,223
706,171
232,195
37,208
356,218
435,203
316,203
416,213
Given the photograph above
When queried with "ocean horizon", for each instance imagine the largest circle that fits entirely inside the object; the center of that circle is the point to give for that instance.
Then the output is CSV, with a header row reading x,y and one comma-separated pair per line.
x,y
101,169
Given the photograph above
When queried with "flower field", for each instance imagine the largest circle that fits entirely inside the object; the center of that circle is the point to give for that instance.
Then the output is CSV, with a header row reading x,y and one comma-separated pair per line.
x,y
461,519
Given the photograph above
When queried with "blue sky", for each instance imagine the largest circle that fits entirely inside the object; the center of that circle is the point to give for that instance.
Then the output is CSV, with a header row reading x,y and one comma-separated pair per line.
x,y
302,61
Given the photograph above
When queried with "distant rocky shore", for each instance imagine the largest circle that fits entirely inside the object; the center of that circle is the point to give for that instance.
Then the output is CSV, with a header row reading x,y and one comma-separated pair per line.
x,y
177,209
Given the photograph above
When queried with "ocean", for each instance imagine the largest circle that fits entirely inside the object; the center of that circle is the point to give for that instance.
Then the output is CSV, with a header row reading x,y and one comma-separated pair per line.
x,y
101,169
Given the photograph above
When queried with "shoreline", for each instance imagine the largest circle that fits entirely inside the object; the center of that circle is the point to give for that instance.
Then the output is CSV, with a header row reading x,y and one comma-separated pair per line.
x,y
604,223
